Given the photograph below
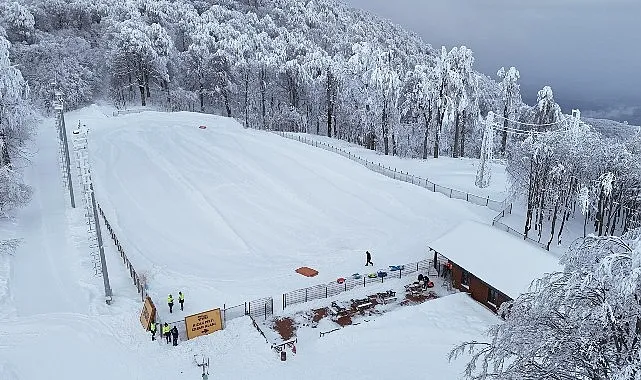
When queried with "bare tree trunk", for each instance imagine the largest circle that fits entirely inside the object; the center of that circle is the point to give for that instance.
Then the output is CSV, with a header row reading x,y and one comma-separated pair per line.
x,y
428,119
226,100
530,200
263,96
462,150
457,136
504,134
385,130
554,216
201,95
330,101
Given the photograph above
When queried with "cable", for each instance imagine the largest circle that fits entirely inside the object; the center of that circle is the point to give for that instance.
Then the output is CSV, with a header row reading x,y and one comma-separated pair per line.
x,y
533,125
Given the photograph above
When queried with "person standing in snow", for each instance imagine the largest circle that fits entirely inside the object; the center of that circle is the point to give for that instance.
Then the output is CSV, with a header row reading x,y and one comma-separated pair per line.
x,y
181,300
174,334
170,302
166,331
152,329
368,256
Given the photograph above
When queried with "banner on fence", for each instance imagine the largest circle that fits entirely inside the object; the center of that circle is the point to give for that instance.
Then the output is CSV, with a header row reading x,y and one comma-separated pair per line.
x,y
148,313
204,323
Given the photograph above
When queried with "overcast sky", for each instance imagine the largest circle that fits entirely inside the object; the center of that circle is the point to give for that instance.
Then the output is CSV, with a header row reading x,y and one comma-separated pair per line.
x,y
588,51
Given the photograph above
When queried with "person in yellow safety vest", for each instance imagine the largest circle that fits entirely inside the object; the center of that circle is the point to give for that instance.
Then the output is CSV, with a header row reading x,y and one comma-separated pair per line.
x,y
152,329
166,331
170,302
181,300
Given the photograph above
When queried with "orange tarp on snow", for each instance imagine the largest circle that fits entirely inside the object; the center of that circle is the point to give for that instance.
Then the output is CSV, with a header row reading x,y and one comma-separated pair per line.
x,y
307,272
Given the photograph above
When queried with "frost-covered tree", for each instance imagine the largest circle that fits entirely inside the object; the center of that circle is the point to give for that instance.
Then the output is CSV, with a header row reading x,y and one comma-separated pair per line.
x,y
15,124
547,112
510,99
419,100
583,323
484,172
17,21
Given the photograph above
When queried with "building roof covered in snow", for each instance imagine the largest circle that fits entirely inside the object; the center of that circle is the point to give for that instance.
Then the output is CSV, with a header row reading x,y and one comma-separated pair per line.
x,y
503,261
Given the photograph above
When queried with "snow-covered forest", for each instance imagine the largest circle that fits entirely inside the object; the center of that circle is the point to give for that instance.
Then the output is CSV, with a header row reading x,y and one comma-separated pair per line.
x,y
320,67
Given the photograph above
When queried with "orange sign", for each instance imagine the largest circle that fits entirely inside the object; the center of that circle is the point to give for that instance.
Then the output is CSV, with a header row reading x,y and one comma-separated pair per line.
x,y
204,323
148,313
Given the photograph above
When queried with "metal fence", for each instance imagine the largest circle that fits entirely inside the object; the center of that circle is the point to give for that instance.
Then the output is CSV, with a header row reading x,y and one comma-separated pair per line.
x,y
496,222
139,282
334,288
402,176
261,308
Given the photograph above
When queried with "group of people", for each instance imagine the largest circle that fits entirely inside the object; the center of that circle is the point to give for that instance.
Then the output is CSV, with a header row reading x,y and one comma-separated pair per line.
x,y
167,332
170,333
181,300
424,281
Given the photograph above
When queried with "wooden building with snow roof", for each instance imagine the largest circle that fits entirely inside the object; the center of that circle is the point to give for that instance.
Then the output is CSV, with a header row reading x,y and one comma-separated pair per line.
x,y
492,265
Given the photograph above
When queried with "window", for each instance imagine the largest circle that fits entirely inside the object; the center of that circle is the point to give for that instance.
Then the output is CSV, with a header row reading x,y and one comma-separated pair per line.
x,y
465,278
492,296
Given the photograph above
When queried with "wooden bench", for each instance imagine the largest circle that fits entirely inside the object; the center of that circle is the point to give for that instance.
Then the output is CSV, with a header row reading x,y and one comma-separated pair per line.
x,y
389,299
364,306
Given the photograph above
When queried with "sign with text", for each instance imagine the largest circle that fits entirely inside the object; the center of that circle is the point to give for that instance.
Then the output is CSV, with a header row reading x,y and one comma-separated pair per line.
x,y
204,323
148,313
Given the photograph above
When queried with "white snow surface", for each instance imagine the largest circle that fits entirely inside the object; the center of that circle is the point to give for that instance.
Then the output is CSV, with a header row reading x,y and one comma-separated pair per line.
x,y
226,214
501,260
456,173
222,213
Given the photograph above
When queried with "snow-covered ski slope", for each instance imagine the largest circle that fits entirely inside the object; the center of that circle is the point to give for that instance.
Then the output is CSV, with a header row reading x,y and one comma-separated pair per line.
x,y
226,214
54,323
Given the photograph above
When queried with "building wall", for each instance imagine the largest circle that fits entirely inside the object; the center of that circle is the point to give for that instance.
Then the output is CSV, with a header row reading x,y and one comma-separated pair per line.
x,y
478,289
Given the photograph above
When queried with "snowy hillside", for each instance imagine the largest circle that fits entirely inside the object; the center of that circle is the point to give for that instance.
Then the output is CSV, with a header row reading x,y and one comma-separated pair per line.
x,y
221,212
195,221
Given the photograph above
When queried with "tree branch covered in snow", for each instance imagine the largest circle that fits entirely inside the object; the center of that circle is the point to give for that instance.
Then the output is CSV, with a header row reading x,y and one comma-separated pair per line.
x,y
582,323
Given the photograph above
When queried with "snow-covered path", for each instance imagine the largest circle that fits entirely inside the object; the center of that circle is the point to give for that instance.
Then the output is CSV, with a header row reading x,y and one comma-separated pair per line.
x,y
46,265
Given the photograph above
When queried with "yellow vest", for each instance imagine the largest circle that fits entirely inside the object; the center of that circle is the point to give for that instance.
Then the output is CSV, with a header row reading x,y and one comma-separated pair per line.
x,y
166,329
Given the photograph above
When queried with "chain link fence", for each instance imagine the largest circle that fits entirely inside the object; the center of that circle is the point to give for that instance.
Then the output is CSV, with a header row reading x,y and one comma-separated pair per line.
x,y
402,176
138,280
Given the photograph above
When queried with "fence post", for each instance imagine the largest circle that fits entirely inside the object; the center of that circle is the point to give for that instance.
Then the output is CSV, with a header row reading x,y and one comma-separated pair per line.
x,y
400,273
265,310
487,201
467,197
434,187
325,291
305,294
363,281
450,193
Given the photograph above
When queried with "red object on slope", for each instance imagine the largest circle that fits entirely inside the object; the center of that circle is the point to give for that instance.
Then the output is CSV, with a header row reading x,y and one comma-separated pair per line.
x,y
307,272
